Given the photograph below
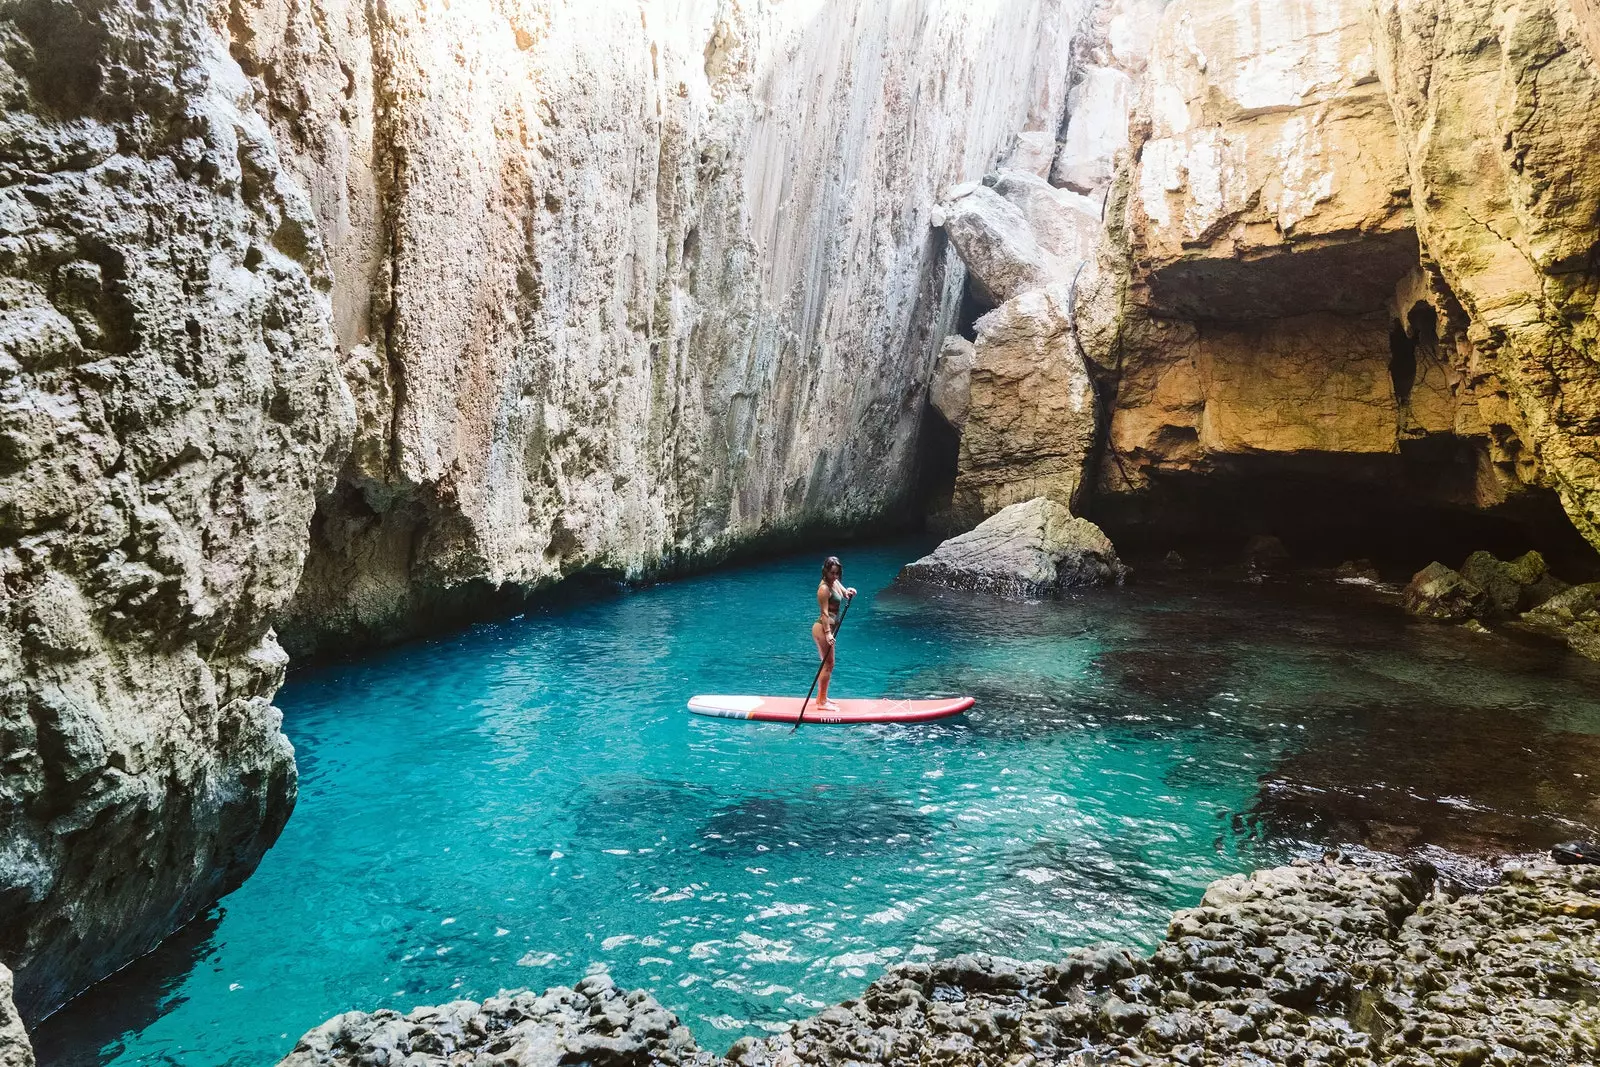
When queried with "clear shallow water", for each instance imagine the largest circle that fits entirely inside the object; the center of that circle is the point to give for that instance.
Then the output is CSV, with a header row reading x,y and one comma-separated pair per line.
x,y
511,806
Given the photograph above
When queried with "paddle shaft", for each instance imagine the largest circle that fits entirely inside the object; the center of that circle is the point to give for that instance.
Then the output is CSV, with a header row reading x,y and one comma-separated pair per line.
x,y
843,611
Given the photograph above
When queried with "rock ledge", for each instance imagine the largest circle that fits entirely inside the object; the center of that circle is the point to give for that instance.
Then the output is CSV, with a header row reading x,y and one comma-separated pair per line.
x,y
1351,962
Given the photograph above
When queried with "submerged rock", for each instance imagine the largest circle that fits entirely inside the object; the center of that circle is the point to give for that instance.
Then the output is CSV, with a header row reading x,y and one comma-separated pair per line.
x,y
1357,570
1028,550
1366,961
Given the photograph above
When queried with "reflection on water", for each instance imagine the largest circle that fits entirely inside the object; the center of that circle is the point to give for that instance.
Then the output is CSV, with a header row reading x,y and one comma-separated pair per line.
x,y
506,807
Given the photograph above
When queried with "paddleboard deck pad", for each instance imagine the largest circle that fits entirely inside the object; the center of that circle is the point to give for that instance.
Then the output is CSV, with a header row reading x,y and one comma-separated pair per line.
x,y
787,709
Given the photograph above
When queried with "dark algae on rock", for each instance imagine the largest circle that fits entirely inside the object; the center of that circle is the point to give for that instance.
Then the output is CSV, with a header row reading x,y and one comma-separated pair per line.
x,y
1360,960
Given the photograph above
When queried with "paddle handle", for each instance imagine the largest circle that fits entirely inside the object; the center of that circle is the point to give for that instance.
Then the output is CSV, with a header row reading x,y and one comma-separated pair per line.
x,y
815,678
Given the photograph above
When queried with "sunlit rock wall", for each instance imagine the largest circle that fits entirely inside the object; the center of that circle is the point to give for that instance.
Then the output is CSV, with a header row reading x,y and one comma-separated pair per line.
x,y
169,406
619,285
1498,104
1267,223
1294,282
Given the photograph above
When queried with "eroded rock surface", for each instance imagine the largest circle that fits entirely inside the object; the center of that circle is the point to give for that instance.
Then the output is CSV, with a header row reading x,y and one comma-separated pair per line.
x,y
1330,963
1033,549
620,286
15,1048
1030,424
170,404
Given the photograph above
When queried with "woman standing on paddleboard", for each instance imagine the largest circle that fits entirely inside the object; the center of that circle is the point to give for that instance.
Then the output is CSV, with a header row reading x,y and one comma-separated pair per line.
x,y
831,594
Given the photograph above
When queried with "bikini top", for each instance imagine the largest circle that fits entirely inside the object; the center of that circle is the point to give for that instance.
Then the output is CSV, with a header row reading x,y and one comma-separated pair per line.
x,y
833,602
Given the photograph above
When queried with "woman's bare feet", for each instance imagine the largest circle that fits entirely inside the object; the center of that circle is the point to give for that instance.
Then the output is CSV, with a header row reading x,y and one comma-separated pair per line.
x,y
827,705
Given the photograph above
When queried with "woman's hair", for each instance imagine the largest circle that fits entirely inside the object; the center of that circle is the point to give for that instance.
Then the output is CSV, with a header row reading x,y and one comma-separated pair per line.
x,y
831,561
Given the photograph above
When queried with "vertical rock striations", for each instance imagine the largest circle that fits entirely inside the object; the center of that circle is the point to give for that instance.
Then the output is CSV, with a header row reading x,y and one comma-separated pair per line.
x,y
169,406
569,286
619,286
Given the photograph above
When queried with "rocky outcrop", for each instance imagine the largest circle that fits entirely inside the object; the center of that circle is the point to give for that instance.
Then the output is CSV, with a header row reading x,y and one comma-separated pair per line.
x,y
1495,102
594,1023
1369,963
1030,424
15,1048
1025,551
617,287
170,404
1485,589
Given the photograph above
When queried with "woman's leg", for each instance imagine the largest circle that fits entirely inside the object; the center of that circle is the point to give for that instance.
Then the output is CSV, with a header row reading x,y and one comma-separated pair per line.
x,y
825,650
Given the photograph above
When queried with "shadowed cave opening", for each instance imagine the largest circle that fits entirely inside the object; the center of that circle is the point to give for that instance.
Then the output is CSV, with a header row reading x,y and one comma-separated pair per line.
x,y
1396,511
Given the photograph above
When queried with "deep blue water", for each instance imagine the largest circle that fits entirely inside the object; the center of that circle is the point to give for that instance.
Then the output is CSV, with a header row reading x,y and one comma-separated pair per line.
x,y
516,804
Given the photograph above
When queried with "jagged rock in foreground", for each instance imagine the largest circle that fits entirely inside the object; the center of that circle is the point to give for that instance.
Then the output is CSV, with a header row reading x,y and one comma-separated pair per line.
x,y
1370,963
1033,549
15,1048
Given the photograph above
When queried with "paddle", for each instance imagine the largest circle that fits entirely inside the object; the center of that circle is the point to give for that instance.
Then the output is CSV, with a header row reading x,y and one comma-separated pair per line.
x,y
843,611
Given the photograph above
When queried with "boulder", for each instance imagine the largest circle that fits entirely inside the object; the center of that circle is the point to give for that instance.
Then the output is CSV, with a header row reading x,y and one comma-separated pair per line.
x,y
1030,428
950,391
1357,570
1519,585
997,244
1572,616
1437,592
1097,129
1264,554
1034,549
1066,224
1033,152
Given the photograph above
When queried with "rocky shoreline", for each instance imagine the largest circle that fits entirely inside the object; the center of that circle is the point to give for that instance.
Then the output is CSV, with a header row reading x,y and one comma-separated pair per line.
x,y
1359,959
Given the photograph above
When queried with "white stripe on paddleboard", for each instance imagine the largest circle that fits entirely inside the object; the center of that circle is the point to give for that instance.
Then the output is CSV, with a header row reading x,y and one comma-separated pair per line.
x,y
725,704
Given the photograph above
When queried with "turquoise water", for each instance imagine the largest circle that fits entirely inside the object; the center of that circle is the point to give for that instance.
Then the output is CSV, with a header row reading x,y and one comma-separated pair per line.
x,y
517,804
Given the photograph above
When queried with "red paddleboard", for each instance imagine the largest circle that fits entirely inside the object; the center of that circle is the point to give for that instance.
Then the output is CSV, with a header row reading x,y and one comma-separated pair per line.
x,y
787,709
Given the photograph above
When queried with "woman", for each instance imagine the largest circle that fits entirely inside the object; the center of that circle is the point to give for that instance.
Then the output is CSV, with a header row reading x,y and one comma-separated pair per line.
x,y
831,595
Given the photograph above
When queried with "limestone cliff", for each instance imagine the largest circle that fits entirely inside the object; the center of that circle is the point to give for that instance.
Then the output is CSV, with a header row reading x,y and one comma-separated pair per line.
x,y
457,298
1346,276
619,286
169,407
1496,102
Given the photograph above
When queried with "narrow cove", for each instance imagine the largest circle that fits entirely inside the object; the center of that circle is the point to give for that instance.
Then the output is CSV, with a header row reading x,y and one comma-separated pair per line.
x,y
514,805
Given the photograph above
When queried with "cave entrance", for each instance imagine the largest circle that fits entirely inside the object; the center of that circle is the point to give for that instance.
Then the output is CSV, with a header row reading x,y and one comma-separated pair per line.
x,y
1401,512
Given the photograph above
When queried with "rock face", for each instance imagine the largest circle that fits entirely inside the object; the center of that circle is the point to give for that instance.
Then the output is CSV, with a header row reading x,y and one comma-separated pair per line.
x,y
15,1048
1028,550
1344,265
1030,424
1495,101
170,404
618,286
1372,965
471,297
